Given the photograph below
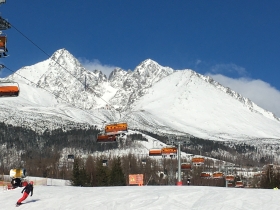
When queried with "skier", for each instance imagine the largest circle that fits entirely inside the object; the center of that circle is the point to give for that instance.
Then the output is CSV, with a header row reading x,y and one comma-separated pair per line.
x,y
26,190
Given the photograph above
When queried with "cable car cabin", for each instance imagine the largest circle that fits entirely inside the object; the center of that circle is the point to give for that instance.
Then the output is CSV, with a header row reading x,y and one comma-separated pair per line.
x,y
198,161
104,138
171,151
218,175
205,175
230,178
186,166
155,152
9,89
115,128
239,184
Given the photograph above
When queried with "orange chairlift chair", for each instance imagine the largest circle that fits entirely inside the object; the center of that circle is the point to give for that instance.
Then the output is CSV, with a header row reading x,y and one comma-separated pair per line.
x,y
9,89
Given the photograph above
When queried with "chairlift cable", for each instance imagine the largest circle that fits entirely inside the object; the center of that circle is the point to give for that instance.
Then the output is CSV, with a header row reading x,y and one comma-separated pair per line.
x,y
59,64
53,93
129,117
45,52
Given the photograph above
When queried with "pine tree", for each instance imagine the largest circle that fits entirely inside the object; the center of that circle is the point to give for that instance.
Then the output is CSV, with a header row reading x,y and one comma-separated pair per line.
x,y
117,177
79,176
75,181
102,172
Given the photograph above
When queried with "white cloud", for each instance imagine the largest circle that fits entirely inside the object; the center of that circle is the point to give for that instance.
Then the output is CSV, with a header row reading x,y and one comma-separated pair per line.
x,y
258,91
97,65
197,62
232,68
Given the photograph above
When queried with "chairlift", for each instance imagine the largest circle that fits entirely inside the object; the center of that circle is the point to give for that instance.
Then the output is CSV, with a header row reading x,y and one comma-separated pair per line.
x,y
116,128
3,46
4,24
230,177
169,151
198,161
104,138
186,166
9,88
155,152
205,175
218,175
239,184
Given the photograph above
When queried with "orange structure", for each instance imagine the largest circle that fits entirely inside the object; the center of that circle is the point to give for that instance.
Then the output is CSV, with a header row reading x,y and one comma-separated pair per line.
x,y
155,152
3,41
116,128
136,179
169,151
104,138
186,166
198,161
205,175
230,177
239,184
9,89
218,175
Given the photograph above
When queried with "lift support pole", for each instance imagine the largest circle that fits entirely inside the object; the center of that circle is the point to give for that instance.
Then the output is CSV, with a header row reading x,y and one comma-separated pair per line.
x,y
179,182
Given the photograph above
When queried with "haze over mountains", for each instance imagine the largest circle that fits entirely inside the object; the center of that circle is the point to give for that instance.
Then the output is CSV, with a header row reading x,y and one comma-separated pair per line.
x,y
60,91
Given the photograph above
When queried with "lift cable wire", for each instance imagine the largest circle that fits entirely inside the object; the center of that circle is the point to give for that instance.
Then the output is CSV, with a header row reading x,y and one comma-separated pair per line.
x,y
102,120
59,96
52,93
46,53
66,71
58,63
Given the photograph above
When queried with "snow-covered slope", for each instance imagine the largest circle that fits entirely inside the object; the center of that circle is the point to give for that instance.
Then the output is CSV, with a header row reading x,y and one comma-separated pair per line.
x,y
56,197
152,97
190,104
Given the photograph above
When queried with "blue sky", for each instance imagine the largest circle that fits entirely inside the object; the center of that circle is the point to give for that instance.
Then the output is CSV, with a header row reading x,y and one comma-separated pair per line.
x,y
234,41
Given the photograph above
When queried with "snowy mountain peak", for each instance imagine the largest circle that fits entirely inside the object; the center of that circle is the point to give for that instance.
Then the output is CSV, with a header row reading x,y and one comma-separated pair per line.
x,y
58,53
247,102
173,100
149,67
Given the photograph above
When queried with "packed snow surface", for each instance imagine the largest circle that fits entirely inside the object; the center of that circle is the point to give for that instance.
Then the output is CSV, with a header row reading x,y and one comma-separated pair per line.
x,y
56,197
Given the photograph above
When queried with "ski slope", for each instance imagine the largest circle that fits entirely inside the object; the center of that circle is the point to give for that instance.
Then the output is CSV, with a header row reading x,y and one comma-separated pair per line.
x,y
57,195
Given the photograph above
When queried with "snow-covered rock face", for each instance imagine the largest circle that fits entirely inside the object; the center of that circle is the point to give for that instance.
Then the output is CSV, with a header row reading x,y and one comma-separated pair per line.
x,y
60,91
